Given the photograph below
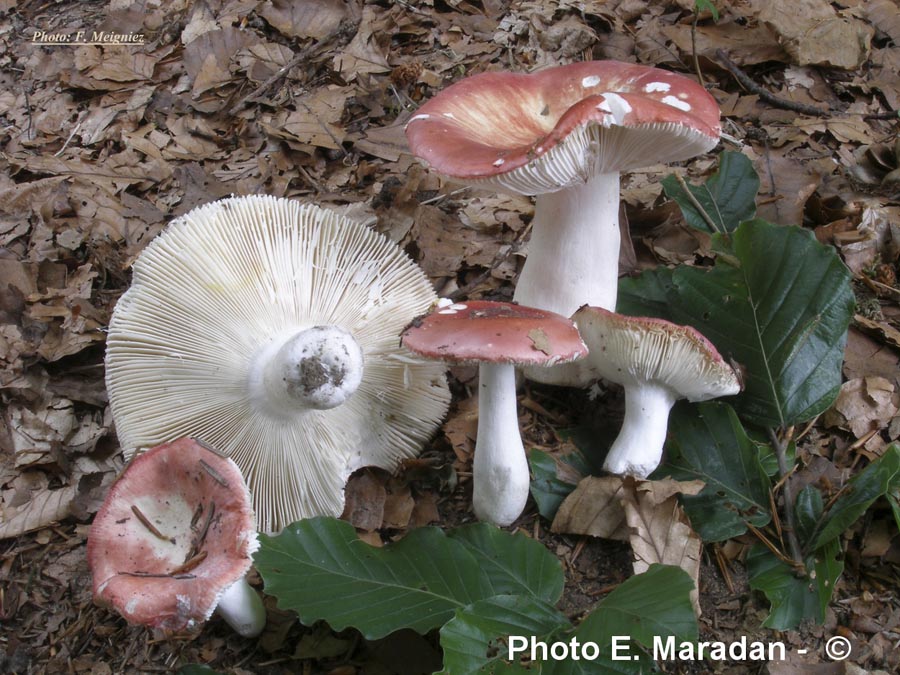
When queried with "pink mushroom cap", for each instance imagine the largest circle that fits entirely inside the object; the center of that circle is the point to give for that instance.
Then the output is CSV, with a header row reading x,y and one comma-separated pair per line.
x,y
482,331
491,125
199,505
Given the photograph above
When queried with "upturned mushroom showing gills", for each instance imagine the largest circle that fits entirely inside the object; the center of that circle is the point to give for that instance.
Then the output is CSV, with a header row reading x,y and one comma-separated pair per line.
x,y
498,336
564,134
269,329
657,363
173,541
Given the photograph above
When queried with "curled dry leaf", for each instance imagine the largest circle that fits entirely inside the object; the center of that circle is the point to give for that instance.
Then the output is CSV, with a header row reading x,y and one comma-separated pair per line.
x,y
45,507
659,529
813,33
645,513
864,405
594,508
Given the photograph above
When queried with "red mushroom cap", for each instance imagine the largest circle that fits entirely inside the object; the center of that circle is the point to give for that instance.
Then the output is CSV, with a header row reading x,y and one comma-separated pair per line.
x,y
199,506
481,331
488,126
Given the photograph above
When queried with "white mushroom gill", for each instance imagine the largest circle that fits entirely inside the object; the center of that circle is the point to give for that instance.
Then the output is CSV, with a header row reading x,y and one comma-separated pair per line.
x,y
226,288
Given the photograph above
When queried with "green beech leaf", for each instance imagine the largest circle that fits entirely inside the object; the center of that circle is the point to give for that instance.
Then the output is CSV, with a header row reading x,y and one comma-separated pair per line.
x,y
706,5
875,481
728,197
795,598
512,563
550,486
654,603
323,571
779,304
479,634
648,606
708,443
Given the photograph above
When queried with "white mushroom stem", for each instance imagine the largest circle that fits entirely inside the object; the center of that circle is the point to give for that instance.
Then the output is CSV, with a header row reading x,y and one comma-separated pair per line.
x,y
638,448
315,368
500,468
242,609
573,255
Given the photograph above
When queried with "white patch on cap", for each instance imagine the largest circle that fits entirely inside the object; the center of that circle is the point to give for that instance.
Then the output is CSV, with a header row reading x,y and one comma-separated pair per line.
x,y
500,162
444,302
590,81
448,114
453,309
616,106
131,605
422,116
676,102
650,87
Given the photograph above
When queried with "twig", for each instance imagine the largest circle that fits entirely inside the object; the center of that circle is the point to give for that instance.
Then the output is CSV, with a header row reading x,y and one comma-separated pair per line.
x,y
299,57
68,140
773,548
696,204
694,47
789,526
215,475
784,103
150,526
189,564
766,95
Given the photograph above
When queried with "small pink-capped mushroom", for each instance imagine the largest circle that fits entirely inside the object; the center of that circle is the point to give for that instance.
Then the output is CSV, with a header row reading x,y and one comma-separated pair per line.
x,y
173,542
498,336
657,363
564,134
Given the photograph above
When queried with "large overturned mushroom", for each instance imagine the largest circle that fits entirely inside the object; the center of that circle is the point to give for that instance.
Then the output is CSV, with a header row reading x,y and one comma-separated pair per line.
x,y
269,328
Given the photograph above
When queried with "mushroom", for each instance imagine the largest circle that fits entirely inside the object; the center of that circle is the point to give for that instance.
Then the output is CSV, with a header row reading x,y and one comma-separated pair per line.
x,y
173,541
564,134
657,363
269,329
497,336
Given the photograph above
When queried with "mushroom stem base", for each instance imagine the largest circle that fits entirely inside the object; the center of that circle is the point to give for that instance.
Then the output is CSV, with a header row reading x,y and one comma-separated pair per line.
x,y
242,609
315,368
638,448
500,468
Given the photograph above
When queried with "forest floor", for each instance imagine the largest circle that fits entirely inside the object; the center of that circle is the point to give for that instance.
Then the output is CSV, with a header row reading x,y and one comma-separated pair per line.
x,y
102,145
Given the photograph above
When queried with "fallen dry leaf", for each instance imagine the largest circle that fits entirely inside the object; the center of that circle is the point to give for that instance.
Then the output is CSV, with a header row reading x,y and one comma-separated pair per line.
x,y
312,18
813,34
44,507
594,508
659,529
364,500
864,405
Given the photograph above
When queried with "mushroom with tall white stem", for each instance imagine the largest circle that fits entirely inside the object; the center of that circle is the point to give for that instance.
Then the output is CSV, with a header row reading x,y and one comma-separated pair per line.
x,y
564,134
269,328
657,362
173,541
498,336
